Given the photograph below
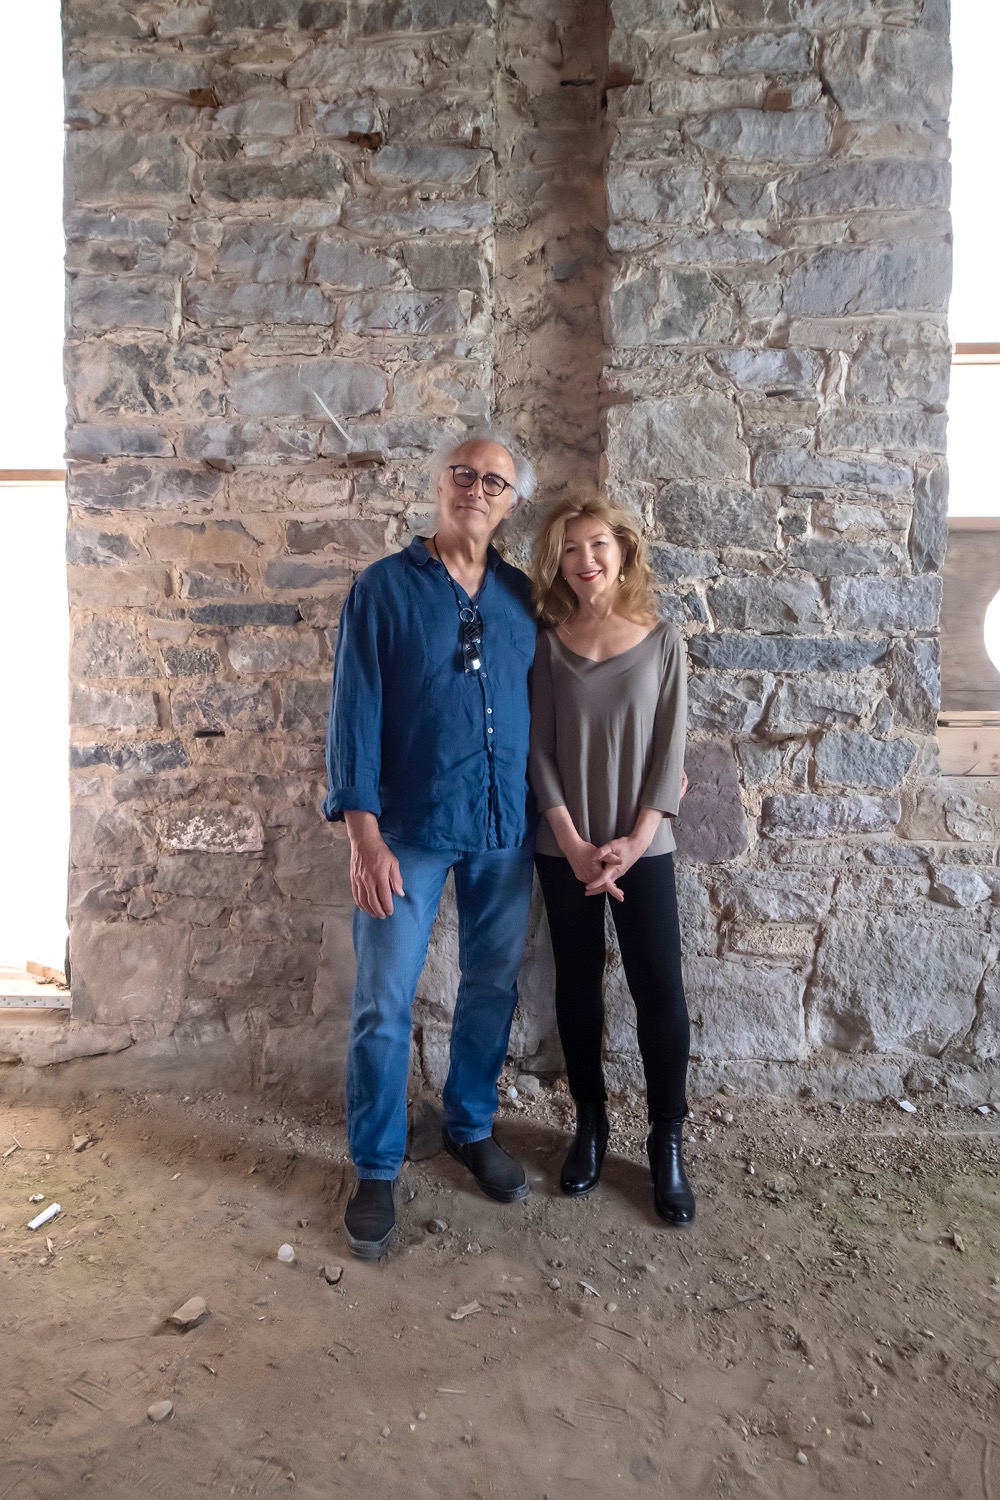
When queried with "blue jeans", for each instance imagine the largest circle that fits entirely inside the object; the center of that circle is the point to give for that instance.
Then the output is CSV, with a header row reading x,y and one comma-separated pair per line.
x,y
493,893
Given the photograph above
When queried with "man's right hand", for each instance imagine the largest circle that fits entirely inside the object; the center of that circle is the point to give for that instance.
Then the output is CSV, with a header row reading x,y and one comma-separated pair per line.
x,y
375,873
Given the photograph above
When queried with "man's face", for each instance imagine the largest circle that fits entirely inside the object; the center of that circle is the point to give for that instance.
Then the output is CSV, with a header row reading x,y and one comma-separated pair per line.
x,y
470,514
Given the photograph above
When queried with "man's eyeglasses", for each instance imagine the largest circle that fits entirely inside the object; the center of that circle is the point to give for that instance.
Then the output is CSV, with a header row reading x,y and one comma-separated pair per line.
x,y
493,484
471,632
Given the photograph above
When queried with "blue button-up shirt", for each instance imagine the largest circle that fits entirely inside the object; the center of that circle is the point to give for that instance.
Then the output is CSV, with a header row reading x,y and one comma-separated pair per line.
x,y
437,753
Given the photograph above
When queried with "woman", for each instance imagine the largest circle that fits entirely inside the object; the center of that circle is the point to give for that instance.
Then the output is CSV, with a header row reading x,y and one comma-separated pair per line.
x,y
607,766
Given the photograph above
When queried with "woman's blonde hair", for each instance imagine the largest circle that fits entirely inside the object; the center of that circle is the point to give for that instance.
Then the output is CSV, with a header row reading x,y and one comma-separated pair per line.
x,y
555,601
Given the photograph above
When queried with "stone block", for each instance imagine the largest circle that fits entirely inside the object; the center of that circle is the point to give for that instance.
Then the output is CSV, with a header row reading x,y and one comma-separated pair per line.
x,y
766,604
888,982
110,648
711,826
221,305
289,573
245,614
914,683
904,361
741,653
120,167
759,135
798,467
261,252
98,304
809,702
117,440
675,563
224,878
139,486
213,581
859,186
404,216
827,558
305,706
733,705
190,661
348,387
367,538
255,15
879,430
433,264
409,312
123,709
774,896
885,603
956,886
350,117
424,15
145,756
859,759
249,442
655,305
427,166
310,864
318,177
310,1057
102,588
257,651
117,979
212,829
223,705
893,75
769,764
99,548
679,437
743,1009
440,117
709,515
150,378
265,117
847,280
342,263
827,817
929,527
219,962
946,810
654,195
771,370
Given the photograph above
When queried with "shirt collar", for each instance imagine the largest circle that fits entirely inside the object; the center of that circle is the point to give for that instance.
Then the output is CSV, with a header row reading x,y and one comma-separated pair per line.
x,y
420,553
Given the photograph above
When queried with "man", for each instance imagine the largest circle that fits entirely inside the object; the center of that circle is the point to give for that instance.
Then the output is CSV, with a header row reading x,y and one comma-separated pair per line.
x,y
427,760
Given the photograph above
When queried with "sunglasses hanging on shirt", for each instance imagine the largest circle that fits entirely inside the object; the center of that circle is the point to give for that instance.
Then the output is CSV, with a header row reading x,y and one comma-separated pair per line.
x,y
471,632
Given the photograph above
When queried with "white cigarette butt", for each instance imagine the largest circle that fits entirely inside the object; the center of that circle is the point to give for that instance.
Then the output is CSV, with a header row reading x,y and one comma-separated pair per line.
x,y
45,1215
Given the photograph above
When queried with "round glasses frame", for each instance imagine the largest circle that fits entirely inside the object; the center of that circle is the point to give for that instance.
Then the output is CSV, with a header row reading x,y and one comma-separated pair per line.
x,y
465,477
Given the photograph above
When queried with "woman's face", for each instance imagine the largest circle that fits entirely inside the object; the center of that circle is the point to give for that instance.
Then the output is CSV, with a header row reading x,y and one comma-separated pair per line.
x,y
591,560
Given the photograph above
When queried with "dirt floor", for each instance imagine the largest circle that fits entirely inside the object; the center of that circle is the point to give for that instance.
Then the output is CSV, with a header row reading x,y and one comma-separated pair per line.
x,y
827,1327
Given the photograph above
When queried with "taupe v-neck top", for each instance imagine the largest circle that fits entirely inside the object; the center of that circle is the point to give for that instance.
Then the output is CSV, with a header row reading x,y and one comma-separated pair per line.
x,y
607,737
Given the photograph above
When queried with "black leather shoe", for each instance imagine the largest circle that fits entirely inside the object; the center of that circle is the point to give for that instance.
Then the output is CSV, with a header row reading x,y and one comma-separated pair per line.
x,y
497,1174
672,1195
581,1171
370,1218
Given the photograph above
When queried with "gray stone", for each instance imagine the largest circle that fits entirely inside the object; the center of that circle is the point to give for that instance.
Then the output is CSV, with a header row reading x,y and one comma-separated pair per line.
x,y
827,559
891,75
804,703
439,117
139,486
213,581
146,756
100,548
766,604
424,15
408,312
847,187
826,817
767,52
97,304
427,166
245,614
254,15
740,653
914,685
655,305
878,430
147,979
262,252
885,982
257,651
288,573
223,705
110,648
215,877
734,705
318,178
366,538
406,217
680,437
771,369
902,362
212,829
757,135
711,826
343,263
432,264
929,528
743,1009
305,706
118,167
117,440
955,886
184,661
674,563
117,710
249,442
774,896
797,466
655,195
348,387
219,962
843,280
277,117
699,932
946,809
885,603
218,305
858,759
352,117
112,380
770,764
717,516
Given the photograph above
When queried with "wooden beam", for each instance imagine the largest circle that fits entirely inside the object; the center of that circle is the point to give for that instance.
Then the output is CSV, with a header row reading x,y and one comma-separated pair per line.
x,y
32,476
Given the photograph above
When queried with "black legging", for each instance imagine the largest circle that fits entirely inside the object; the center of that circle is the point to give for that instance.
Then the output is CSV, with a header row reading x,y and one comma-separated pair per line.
x,y
649,938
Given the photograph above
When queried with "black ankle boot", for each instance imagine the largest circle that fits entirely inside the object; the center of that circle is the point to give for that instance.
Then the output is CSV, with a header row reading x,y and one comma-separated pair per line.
x,y
581,1171
672,1195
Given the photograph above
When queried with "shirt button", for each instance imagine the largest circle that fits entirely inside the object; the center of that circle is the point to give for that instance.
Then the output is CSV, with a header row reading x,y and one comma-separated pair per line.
x,y
489,710
490,730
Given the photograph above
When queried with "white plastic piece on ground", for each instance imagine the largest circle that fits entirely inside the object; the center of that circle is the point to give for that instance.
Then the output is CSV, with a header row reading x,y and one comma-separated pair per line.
x,y
45,1215
906,1106
286,1255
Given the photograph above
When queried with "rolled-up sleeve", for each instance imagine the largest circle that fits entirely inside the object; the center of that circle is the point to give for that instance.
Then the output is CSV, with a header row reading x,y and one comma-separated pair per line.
x,y
354,736
661,787
543,772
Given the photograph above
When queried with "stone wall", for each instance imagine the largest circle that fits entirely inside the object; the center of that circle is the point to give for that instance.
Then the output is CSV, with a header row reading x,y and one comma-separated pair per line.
x,y
305,237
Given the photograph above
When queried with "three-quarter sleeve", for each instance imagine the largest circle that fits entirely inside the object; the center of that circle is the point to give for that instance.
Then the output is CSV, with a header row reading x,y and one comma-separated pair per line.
x,y
543,772
661,786
354,736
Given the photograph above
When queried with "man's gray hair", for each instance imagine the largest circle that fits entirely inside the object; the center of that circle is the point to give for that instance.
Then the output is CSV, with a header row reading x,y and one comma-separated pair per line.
x,y
524,473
